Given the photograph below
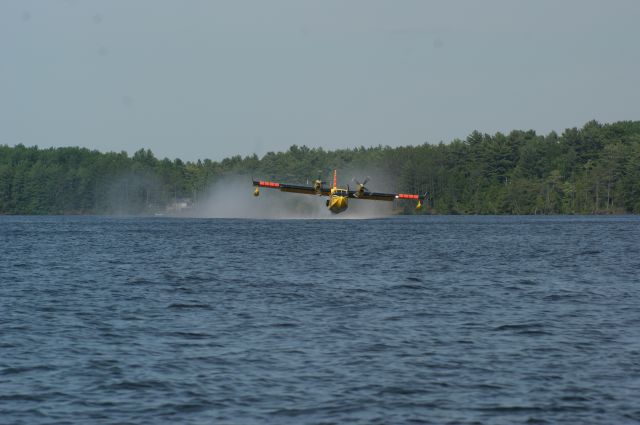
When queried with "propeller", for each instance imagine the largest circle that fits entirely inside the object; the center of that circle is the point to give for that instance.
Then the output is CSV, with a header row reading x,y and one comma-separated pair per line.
x,y
317,184
361,187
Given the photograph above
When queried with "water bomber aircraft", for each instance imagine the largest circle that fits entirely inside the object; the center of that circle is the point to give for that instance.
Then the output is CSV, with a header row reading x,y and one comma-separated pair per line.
x,y
339,196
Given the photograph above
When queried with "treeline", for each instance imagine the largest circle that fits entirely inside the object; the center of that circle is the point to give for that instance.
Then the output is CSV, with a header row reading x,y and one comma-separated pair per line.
x,y
591,170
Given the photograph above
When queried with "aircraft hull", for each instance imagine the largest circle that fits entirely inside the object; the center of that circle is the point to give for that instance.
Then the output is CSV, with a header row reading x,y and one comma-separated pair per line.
x,y
337,204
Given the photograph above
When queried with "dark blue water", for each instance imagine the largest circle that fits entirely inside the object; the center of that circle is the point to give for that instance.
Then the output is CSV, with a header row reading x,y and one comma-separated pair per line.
x,y
499,320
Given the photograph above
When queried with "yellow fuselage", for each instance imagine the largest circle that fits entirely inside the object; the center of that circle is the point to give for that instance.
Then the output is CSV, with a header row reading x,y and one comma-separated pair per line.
x,y
338,200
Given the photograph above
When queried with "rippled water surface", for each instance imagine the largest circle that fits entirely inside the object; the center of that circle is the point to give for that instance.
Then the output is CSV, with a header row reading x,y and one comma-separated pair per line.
x,y
403,320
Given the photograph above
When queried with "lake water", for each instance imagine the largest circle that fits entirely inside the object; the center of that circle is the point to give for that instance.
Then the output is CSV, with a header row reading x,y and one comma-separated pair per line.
x,y
499,320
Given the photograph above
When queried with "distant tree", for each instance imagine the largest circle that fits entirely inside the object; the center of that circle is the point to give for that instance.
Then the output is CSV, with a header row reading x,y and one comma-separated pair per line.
x,y
594,169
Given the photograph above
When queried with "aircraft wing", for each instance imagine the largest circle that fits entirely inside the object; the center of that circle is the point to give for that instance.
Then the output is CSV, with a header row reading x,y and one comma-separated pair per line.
x,y
326,191
379,196
295,188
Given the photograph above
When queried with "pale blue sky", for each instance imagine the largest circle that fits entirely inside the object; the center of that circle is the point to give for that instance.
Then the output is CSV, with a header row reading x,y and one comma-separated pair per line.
x,y
210,79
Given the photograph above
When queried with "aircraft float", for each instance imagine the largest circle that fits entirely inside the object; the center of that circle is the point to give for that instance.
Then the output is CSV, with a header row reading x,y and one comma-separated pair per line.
x,y
339,196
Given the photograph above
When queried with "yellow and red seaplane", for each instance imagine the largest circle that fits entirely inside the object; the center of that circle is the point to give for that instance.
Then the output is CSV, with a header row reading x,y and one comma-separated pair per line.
x,y
339,196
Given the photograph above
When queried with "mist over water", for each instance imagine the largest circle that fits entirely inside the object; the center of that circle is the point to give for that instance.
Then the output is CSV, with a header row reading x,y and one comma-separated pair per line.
x,y
232,196
430,319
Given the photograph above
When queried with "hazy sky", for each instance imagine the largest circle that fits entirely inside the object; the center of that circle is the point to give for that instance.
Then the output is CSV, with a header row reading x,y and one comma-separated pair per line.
x,y
210,79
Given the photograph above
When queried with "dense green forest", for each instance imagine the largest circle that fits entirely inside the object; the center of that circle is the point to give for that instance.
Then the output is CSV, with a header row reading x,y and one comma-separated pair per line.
x,y
591,170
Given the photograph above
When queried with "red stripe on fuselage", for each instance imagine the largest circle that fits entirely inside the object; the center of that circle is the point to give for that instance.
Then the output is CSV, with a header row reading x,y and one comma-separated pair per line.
x,y
269,184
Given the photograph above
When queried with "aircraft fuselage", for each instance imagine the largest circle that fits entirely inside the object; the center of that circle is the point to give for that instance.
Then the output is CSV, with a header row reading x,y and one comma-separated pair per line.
x,y
337,203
